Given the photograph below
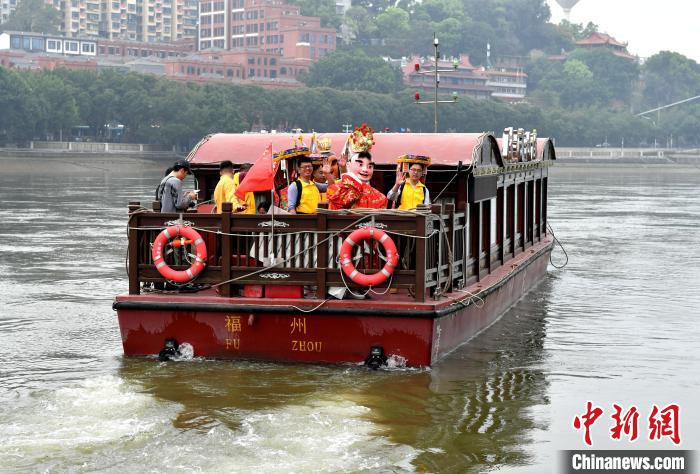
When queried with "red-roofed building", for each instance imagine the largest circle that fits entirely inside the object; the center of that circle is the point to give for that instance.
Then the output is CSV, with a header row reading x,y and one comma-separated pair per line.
x,y
603,40
465,79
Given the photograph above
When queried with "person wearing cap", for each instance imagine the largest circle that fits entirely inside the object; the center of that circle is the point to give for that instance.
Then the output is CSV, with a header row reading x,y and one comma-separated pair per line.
x,y
170,193
409,192
304,193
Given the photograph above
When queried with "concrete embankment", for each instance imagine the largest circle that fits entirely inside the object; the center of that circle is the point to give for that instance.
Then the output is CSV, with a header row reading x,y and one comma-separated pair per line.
x,y
628,156
90,150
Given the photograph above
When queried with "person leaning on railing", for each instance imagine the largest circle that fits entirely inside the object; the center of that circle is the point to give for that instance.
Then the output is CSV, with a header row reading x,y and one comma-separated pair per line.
x,y
169,192
304,193
407,194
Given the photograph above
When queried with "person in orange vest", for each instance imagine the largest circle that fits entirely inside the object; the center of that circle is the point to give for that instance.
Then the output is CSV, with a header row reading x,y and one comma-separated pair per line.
x,y
410,191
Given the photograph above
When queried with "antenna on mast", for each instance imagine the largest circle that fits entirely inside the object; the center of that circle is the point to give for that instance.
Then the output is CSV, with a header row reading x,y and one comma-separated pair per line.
x,y
435,101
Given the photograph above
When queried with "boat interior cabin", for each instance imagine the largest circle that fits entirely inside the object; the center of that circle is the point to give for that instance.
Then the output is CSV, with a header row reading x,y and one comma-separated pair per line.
x,y
489,205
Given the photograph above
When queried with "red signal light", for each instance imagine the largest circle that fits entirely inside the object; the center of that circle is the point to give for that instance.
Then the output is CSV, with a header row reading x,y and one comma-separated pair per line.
x,y
417,96
416,67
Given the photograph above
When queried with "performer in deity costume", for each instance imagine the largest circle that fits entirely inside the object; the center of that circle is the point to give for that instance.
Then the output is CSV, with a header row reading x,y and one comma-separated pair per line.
x,y
353,189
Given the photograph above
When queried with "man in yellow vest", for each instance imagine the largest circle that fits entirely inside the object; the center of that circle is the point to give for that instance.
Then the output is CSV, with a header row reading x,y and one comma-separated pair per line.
x,y
304,194
224,188
409,192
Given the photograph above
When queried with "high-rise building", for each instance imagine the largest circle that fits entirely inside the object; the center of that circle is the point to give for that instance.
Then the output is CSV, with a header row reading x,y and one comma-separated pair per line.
x,y
269,26
138,20
6,8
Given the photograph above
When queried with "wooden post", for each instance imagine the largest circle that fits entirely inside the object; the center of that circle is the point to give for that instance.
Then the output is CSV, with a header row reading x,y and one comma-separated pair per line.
x,y
157,206
475,231
486,222
133,249
500,224
544,205
420,257
450,208
226,260
321,255
465,244
441,236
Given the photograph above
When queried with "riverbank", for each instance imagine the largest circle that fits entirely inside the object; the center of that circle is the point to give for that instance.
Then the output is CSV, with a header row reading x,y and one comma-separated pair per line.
x,y
90,150
629,156
565,156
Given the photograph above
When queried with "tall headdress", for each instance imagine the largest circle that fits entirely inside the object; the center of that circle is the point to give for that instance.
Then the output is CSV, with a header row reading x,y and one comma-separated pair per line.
x,y
362,139
299,150
324,146
411,159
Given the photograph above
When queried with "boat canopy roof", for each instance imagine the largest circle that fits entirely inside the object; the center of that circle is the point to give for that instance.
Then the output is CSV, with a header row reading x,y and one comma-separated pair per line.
x,y
446,149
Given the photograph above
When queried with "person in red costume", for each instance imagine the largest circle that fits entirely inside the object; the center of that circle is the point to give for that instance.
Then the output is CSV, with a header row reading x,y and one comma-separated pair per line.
x,y
353,189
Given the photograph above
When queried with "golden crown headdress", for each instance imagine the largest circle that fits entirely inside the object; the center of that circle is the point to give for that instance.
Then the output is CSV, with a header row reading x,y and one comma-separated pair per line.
x,y
324,145
361,139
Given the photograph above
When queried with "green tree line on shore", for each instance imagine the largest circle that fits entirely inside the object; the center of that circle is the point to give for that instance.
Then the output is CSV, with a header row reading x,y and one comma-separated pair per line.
x,y
41,104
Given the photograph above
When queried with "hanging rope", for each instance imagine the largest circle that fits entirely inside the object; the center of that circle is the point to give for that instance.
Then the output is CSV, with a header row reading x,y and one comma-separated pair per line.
x,y
566,255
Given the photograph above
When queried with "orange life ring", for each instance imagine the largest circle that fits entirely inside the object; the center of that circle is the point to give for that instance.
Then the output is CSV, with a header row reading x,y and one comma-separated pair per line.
x,y
366,233
179,276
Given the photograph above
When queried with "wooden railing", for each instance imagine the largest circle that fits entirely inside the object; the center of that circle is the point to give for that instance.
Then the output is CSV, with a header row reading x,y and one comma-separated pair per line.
x,y
438,250
305,248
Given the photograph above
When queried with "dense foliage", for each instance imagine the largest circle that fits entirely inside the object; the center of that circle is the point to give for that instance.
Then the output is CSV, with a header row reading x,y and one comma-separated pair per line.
x,y
41,104
33,15
355,70
584,98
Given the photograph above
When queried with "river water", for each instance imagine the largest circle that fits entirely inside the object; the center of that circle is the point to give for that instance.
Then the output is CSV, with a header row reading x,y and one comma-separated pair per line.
x,y
619,324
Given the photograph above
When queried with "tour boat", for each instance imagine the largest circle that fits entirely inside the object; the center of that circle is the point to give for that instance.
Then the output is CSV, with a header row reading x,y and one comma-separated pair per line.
x,y
262,282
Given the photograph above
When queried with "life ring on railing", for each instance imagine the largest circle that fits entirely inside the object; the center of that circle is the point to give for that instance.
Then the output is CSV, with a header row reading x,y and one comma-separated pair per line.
x,y
192,236
367,233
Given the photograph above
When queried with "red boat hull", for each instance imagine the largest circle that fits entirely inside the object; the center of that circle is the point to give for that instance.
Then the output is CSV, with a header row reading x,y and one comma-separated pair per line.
x,y
338,331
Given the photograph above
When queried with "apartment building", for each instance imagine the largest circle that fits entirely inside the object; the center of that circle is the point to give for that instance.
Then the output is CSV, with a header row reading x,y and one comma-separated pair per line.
x,y
6,8
270,26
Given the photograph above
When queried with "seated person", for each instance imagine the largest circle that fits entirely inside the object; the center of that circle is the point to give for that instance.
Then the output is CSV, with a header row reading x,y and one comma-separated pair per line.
x,y
304,193
409,192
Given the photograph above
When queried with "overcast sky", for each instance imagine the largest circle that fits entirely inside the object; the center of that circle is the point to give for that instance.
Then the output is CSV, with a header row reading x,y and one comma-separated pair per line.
x,y
648,26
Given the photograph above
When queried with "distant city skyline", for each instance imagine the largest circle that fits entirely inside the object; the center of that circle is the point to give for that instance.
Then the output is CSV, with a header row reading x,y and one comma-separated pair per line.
x,y
647,26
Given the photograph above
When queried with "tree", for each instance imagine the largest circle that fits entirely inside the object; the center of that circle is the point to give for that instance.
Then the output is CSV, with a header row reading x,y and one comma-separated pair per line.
x,y
325,9
354,71
614,73
35,16
669,77
576,31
